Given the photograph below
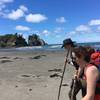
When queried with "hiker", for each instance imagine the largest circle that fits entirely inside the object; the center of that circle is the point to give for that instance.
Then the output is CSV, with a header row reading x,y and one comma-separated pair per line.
x,y
91,73
68,44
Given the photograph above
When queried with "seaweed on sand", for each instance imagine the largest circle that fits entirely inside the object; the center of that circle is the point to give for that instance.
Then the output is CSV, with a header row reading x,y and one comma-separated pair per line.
x,y
37,57
5,61
55,70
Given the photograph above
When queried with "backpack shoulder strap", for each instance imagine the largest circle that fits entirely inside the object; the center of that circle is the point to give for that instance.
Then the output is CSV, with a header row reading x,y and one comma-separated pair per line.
x,y
94,65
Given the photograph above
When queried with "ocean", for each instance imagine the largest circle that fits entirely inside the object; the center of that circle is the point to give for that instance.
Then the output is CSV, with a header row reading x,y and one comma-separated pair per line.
x,y
52,47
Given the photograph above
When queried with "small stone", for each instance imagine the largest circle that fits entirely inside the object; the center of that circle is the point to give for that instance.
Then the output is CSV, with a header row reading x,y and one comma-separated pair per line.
x,y
16,86
65,85
30,89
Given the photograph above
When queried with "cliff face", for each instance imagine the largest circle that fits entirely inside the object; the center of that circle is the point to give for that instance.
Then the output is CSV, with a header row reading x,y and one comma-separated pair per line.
x,y
34,40
12,40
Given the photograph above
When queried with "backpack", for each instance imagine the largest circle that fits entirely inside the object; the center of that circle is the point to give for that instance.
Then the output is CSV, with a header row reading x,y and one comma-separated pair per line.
x,y
95,59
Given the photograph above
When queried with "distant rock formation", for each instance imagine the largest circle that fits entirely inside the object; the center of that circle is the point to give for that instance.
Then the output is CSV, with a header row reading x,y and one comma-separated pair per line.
x,y
34,40
20,41
17,40
12,40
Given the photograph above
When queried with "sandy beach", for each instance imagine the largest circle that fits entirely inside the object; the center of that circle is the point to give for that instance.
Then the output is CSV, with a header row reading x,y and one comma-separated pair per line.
x,y
33,75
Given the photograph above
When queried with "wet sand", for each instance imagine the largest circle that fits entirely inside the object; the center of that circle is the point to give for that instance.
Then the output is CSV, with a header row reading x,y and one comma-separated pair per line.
x,y
33,75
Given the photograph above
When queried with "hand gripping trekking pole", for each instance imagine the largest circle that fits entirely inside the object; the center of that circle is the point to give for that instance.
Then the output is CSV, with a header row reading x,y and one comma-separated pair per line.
x,y
63,75
73,89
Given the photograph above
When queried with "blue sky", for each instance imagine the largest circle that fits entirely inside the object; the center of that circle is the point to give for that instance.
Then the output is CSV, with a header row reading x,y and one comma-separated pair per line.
x,y
52,20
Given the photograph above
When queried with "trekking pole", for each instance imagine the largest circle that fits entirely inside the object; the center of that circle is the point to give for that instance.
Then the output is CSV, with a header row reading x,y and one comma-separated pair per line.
x,y
63,75
73,89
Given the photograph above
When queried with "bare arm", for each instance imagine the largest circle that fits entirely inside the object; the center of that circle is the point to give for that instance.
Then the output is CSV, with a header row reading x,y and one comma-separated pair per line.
x,y
92,75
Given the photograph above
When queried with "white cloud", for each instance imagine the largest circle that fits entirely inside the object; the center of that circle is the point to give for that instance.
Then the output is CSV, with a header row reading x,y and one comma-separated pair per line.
x,y
22,7
61,20
46,32
90,32
71,33
5,1
92,38
58,30
16,14
35,18
22,28
83,28
94,22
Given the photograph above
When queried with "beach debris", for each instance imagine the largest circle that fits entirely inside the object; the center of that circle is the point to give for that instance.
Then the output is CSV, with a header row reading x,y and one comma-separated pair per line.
x,y
16,86
38,75
37,57
18,58
65,85
55,75
4,57
5,61
28,76
55,70
30,89
25,76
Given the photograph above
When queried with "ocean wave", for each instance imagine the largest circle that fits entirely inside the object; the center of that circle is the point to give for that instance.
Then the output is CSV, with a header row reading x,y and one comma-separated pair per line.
x,y
29,47
55,46
46,47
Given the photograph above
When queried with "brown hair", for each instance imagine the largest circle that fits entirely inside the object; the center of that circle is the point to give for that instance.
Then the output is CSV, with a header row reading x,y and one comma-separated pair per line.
x,y
84,51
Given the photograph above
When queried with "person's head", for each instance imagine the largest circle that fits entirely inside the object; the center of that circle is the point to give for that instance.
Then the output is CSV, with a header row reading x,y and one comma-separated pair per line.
x,y
83,54
68,43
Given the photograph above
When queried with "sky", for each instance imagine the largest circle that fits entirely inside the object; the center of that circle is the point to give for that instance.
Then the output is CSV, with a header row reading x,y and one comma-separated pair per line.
x,y
52,20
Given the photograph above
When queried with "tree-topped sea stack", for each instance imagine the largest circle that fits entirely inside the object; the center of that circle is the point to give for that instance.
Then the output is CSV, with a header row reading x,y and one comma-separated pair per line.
x,y
34,40
12,40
